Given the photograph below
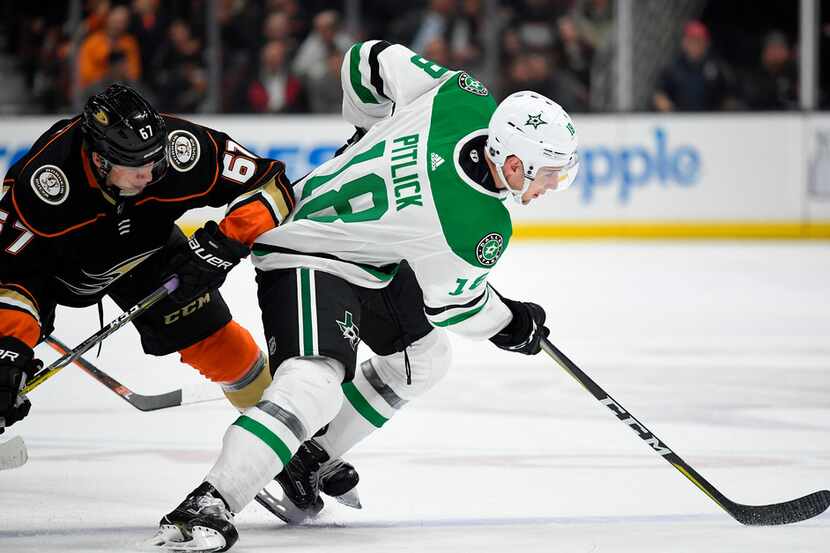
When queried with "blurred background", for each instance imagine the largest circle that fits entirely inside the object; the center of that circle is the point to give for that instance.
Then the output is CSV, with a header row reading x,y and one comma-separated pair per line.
x,y
697,118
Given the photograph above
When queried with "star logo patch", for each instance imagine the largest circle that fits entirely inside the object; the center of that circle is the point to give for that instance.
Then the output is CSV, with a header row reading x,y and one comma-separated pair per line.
x,y
349,330
535,120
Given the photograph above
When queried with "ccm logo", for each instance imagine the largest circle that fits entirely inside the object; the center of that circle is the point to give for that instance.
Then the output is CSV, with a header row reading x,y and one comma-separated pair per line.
x,y
636,426
10,355
187,310
207,257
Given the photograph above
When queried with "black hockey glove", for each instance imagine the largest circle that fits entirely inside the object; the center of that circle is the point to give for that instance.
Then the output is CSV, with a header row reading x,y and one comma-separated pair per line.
x,y
525,331
205,264
17,364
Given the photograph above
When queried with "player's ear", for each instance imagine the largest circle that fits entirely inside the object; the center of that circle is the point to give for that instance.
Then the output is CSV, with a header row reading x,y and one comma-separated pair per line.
x,y
512,165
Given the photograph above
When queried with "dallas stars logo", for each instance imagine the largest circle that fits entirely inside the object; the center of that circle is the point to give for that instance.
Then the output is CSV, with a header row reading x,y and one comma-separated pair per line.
x,y
489,249
350,330
535,120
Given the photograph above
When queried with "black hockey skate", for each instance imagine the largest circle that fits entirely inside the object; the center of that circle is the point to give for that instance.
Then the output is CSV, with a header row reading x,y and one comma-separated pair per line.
x,y
201,523
309,472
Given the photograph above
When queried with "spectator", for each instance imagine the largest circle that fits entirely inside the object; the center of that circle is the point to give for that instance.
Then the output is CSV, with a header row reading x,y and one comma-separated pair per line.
x,y
533,24
148,27
277,26
538,71
594,21
238,21
118,71
326,37
52,79
574,54
181,82
695,81
323,97
434,23
773,85
93,56
276,90
465,42
438,51
98,11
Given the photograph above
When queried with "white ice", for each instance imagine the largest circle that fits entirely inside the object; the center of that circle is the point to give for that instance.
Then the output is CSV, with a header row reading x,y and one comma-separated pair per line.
x,y
720,349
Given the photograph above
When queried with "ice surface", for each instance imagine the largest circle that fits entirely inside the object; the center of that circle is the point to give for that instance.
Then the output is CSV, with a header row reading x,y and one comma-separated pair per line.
x,y
721,349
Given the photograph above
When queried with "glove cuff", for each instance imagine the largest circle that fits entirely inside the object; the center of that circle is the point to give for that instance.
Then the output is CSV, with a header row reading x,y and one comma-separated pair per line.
x,y
519,324
15,352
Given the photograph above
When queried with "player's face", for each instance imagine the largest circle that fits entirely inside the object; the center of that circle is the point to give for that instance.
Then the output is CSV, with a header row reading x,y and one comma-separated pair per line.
x,y
547,178
131,180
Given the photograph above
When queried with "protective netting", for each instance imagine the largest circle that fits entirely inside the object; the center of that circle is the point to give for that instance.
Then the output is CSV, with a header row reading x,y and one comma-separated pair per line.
x,y
656,30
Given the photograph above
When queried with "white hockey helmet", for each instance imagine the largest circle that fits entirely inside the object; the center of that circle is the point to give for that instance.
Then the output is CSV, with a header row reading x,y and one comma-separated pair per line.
x,y
537,131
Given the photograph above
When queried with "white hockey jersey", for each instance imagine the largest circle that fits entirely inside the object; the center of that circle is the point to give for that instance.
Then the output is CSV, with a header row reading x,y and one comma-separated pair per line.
x,y
400,193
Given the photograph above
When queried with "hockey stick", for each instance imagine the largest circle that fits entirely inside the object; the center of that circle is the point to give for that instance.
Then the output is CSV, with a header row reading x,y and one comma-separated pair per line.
x,y
788,512
139,401
159,294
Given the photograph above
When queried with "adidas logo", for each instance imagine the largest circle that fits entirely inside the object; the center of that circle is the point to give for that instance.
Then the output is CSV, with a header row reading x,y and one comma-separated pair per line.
x,y
436,161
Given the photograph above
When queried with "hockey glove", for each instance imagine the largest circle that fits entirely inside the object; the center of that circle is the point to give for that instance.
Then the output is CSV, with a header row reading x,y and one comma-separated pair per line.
x,y
17,364
205,264
525,331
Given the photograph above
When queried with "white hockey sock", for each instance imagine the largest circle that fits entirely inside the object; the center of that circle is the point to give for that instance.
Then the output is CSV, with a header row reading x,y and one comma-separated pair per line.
x,y
304,395
379,389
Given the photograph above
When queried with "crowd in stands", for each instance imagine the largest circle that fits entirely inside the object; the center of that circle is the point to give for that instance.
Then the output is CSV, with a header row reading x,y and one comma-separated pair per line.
x,y
284,56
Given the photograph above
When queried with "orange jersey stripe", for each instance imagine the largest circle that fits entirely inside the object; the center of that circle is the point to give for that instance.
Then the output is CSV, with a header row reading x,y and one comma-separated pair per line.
x,y
224,356
21,325
247,222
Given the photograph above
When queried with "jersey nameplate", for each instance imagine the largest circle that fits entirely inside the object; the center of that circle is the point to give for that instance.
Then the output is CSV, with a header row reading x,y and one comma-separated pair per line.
x,y
182,150
50,184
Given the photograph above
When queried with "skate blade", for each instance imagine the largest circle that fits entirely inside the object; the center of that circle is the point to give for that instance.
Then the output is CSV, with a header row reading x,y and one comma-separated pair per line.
x,y
349,499
284,509
170,538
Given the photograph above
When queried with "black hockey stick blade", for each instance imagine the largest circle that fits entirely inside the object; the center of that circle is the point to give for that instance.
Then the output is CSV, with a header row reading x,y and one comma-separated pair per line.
x,y
139,401
803,508
787,512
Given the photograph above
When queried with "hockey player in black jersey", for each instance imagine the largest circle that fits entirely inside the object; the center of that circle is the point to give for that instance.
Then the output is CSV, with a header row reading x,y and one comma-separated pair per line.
x,y
90,212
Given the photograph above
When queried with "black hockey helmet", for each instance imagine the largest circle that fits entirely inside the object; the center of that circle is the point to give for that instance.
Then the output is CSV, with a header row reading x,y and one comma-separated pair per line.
x,y
124,129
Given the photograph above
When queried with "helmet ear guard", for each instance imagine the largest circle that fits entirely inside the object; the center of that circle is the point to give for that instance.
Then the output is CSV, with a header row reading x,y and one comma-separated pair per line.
x,y
537,131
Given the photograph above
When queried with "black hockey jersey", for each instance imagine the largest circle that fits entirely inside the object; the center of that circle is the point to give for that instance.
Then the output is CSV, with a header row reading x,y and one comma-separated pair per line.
x,y
64,238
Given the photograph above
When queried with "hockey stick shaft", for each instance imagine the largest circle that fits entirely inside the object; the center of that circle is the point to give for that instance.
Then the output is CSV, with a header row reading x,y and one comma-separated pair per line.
x,y
782,513
159,294
139,401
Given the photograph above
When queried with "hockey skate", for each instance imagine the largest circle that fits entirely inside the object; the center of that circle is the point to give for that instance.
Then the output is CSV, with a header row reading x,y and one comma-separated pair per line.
x,y
201,523
309,472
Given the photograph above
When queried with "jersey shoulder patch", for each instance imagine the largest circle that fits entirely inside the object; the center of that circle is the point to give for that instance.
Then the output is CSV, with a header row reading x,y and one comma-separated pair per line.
x,y
470,84
183,150
49,193
50,184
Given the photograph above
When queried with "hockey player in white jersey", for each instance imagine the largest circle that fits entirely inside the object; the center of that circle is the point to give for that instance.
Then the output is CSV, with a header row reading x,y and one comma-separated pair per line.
x,y
389,243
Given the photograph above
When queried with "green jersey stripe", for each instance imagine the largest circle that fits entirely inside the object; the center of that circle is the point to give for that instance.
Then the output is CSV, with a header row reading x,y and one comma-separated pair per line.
x,y
362,406
355,77
307,306
263,433
461,317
